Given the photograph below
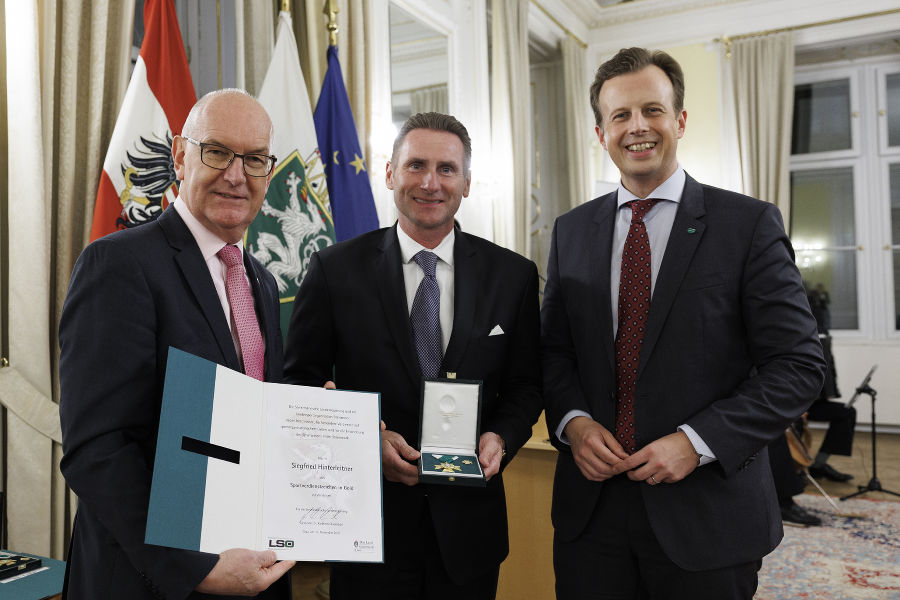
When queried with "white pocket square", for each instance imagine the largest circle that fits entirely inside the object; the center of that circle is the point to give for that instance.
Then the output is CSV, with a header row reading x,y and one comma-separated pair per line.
x,y
497,330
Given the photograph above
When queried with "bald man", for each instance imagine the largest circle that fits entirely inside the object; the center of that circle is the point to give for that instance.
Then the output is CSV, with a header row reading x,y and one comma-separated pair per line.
x,y
133,294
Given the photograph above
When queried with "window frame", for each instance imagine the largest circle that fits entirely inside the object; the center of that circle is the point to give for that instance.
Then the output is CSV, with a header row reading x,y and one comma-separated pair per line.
x,y
871,188
859,213
807,75
881,74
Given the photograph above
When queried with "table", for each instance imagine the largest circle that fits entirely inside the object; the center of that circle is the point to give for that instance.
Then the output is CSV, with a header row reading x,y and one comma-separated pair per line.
x,y
35,585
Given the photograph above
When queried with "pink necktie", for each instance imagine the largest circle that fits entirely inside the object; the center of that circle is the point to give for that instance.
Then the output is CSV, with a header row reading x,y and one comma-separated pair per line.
x,y
634,305
241,302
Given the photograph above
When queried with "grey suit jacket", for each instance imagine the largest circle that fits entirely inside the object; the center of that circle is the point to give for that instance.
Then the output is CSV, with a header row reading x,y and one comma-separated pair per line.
x,y
730,349
133,294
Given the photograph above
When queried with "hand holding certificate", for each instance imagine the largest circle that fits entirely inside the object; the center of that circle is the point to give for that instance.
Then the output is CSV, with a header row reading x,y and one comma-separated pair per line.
x,y
246,464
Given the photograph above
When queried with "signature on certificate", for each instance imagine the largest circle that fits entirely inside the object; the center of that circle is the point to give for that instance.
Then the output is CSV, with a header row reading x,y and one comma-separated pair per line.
x,y
312,515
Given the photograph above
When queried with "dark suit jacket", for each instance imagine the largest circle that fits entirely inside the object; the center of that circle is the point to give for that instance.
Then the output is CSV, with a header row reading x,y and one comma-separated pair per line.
x,y
730,349
133,294
351,322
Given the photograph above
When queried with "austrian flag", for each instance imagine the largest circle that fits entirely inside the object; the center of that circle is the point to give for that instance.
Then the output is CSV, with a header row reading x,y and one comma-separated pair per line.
x,y
138,179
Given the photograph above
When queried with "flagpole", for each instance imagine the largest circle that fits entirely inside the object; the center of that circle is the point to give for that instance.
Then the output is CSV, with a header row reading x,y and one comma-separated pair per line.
x,y
286,6
331,10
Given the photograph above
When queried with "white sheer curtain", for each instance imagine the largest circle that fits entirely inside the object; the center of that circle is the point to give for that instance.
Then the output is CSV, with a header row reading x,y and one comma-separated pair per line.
x,y
255,40
511,122
762,77
67,64
429,99
579,132
256,27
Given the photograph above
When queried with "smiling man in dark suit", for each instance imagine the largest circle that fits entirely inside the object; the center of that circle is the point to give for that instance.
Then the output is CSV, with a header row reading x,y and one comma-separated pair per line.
x,y
677,342
133,294
353,321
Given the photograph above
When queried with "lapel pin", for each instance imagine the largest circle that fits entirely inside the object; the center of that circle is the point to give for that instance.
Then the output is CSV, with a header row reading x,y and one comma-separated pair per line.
x,y
691,230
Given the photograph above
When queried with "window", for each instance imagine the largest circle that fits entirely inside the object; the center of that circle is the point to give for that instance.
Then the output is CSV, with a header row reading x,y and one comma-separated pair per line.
x,y
815,105
845,193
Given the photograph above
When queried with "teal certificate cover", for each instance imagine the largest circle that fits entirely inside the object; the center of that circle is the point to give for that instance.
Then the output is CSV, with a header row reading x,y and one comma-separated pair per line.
x,y
245,464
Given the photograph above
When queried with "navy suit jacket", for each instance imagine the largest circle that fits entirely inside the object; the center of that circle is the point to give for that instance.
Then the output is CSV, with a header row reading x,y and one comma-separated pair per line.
x,y
351,323
730,349
133,294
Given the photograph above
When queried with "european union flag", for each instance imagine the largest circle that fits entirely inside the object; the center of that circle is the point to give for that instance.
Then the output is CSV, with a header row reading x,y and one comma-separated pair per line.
x,y
352,204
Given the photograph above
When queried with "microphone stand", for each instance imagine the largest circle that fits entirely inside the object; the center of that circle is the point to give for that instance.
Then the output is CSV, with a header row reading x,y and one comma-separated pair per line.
x,y
874,485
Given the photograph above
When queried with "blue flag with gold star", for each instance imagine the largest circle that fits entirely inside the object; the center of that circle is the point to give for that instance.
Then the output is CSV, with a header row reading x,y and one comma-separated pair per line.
x,y
352,204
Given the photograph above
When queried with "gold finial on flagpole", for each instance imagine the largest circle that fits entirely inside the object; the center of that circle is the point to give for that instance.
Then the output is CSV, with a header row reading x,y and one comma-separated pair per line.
x,y
286,6
331,10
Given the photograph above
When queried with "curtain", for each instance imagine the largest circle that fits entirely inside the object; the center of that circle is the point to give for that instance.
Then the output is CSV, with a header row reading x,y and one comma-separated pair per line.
x,y
311,32
429,99
579,132
762,76
255,40
68,63
511,122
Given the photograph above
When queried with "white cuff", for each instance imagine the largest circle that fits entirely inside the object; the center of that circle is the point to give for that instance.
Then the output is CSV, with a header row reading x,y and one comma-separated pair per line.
x,y
700,447
565,421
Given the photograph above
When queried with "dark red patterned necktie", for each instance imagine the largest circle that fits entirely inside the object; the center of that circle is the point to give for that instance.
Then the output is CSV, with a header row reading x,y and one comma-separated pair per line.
x,y
634,305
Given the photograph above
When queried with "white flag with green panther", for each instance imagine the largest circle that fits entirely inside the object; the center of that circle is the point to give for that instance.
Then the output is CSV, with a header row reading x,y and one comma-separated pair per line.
x,y
295,219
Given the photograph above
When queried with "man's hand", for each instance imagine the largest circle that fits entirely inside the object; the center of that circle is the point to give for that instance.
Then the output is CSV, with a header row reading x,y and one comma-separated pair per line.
x,y
490,452
669,459
241,572
395,453
594,448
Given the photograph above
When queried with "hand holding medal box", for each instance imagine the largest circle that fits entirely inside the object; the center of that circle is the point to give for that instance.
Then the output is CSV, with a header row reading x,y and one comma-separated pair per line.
x,y
451,412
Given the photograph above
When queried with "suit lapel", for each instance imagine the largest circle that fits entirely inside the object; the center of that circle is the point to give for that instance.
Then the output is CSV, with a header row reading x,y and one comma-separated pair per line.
x,y
602,229
388,273
687,231
466,275
198,280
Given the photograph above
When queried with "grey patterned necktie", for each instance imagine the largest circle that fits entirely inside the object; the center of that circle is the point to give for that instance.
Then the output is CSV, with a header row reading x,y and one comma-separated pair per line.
x,y
425,317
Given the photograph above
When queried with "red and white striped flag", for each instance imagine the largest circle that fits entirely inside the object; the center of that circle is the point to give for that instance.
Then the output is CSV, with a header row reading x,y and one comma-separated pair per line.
x,y
138,179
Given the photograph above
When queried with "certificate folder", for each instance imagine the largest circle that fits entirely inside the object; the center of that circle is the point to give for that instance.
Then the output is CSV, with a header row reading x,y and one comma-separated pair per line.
x,y
245,464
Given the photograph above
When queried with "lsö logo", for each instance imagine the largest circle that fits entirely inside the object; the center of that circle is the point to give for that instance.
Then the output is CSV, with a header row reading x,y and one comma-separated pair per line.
x,y
363,546
276,543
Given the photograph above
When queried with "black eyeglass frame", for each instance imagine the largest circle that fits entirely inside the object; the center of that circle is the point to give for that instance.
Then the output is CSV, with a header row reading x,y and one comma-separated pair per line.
x,y
203,145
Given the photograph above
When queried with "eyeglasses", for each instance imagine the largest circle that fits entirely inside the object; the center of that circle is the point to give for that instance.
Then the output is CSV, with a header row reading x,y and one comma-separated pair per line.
x,y
220,157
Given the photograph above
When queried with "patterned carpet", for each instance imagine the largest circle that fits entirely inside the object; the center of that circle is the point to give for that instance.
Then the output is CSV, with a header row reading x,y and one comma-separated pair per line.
x,y
847,558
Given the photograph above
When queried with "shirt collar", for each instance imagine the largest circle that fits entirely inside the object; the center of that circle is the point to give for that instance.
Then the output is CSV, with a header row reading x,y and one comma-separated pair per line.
x,y
208,242
670,189
410,247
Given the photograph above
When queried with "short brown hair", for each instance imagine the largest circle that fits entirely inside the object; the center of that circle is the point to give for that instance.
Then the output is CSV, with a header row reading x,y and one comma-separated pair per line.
x,y
631,60
437,122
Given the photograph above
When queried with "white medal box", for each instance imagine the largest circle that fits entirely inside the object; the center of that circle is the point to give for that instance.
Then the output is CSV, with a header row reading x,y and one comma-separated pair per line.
x,y
451,415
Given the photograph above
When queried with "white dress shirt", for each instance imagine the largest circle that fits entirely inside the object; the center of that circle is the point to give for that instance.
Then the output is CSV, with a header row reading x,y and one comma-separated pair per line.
x,y
413,275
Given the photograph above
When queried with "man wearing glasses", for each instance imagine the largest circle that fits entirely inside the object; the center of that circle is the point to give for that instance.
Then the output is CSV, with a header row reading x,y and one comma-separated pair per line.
x,y
182,281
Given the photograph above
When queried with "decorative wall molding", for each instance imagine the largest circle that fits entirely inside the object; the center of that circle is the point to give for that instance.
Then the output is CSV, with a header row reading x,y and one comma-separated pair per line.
x,y
670,23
